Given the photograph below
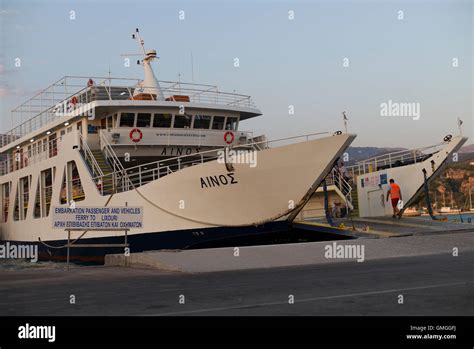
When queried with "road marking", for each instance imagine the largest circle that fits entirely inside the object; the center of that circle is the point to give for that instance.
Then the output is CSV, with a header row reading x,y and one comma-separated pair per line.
x,y
197,311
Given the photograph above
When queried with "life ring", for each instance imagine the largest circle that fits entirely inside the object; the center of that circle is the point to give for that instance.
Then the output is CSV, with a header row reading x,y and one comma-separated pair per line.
x,y
226,137
133,136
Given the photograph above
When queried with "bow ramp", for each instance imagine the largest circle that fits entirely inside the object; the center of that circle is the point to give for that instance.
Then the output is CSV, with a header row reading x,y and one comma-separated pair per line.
x,y
363,192
410,169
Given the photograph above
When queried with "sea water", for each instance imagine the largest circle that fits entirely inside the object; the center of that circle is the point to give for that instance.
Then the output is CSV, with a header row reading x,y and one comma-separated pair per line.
x,y
456,217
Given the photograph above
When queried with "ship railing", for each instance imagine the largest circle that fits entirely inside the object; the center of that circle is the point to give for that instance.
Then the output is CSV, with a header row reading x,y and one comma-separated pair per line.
x,y
394,159
44,108
258,142
139,175
118,177
337,179
89,157
34,153
185,94
70,92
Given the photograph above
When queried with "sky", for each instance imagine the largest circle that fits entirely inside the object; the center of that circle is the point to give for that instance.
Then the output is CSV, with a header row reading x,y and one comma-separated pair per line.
x,y
320,57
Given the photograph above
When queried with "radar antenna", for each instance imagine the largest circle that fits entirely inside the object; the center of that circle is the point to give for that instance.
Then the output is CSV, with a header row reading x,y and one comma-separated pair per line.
x,y
149,87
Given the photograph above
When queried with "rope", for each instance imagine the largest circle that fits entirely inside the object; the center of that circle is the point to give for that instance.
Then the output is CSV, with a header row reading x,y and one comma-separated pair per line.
x,y
58,247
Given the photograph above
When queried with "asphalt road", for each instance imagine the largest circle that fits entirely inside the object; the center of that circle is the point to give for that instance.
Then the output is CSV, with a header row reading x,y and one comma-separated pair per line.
x,y
430,285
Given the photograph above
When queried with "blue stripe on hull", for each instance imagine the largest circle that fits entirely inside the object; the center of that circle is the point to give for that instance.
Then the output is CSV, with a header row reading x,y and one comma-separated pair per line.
x,y
181,239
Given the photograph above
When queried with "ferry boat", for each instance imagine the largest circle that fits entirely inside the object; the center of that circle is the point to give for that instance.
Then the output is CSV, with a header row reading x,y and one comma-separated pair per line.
x,y
412,169
363,189
92,141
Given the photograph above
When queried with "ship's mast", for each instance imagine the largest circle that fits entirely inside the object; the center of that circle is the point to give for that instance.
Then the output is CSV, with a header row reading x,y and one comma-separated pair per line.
x,y
150,84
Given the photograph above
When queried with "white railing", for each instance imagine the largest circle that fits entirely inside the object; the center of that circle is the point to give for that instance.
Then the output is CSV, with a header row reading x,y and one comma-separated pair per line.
x,y
335,178
43,108
119,177
126,179
29,155
394,159
89,157
109,154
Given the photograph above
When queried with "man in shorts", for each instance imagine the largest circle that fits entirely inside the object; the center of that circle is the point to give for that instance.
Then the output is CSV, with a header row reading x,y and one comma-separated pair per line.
x,y
395,195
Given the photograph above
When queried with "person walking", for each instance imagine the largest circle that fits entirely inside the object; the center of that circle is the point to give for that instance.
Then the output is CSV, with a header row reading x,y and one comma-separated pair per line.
x,y
395,195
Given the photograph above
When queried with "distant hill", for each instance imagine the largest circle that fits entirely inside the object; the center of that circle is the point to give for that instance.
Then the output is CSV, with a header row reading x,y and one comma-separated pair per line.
x,y
467,149
466,153
361,153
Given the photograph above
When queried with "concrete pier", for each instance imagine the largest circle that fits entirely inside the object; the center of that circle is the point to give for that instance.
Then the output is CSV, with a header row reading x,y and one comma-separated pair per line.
x,y
286,255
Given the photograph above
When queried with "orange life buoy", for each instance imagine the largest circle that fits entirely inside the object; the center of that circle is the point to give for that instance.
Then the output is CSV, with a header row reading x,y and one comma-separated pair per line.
x,y
226,137
134,137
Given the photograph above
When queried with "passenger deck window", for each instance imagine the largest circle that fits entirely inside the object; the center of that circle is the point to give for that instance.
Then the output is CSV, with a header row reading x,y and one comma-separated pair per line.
x,y
202,122
231,124
182,121
37,207
127,119
46,185
143,120
21,199
75,184
5,200
218,123
162,120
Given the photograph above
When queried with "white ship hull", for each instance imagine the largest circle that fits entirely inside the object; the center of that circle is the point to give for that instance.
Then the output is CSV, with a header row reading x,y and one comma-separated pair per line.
x,y
278,186
373,186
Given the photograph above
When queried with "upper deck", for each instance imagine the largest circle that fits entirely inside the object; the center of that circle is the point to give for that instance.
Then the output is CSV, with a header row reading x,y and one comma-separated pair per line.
x,y
73,95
